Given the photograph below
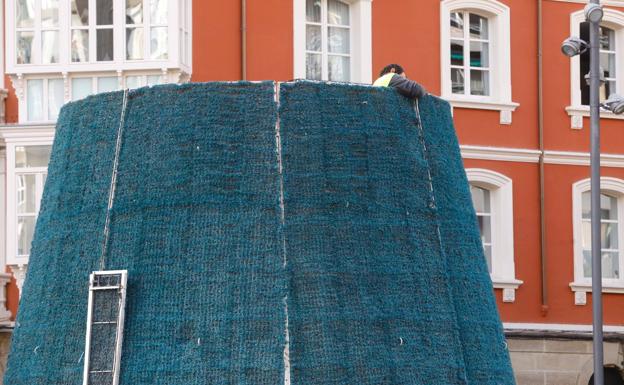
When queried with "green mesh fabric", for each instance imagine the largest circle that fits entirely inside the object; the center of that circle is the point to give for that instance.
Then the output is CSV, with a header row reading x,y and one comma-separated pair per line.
x,y
328,222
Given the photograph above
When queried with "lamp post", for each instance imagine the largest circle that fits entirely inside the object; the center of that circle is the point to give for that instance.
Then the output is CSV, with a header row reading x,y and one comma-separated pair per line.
x,y
571,47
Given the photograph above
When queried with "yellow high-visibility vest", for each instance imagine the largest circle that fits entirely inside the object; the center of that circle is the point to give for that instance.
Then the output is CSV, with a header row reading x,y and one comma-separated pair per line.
x,y
384,81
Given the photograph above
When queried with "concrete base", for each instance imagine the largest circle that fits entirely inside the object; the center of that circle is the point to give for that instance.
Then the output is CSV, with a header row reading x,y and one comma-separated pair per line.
x,y
542,361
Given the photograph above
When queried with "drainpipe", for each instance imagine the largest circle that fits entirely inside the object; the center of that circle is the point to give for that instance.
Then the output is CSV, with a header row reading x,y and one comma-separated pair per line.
x,y
243,39
540,113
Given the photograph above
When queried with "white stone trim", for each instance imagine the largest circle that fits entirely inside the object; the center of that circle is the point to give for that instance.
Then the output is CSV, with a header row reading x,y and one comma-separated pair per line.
x,y
613,19
559,327
582,159
500,153
582,284
361,40
500,56
501,196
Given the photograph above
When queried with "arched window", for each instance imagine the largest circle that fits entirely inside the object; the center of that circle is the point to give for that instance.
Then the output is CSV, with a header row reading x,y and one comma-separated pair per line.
x,y
492,197
476,66
612,236
333,40
611,48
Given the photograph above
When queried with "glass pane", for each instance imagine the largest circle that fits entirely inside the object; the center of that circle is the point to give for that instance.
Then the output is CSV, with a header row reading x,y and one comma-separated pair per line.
x,y
34,91
587,267
134,11
313,11
104,44
158,10
313,38
25,13
108,84
485,228
478,27
608,207
26,188
81,88
49,47
32,156
457,80
607,62
80,45
479,54
611,265
80,13
338,40
133,82
25,230
104,12
457,25
153,80
586,234
457,52
480,199
609,235
134,43
159,43
487,250
607,39
49,13
586,205
56,97
339,68
337,12
479,82
313,66
25,47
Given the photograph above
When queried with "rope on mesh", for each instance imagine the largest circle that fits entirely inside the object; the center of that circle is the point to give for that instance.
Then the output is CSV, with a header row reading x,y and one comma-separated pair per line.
x,y
113,183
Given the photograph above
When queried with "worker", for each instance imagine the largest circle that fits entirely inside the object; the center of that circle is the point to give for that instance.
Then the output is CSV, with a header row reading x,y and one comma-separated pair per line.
x,y
394,76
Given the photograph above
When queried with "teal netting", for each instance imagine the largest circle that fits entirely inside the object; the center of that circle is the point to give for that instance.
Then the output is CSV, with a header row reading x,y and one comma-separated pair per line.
x,y
379,277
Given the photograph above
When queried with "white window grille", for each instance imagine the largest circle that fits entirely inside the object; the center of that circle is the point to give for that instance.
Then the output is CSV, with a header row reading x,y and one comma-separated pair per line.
x,y
469,46
37,31
105,322
482,204
146,29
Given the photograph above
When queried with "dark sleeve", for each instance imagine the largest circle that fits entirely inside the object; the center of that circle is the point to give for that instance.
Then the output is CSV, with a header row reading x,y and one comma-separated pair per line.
x,y
407,87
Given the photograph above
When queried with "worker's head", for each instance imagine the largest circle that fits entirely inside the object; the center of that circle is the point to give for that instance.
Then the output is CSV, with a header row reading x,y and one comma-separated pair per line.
x,y
392,68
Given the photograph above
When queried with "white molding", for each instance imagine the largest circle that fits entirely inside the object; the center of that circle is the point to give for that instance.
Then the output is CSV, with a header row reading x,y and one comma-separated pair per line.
x,y
500,154
582,284
613,19
501,196
361,40
582,159
500,55
559,327
577,113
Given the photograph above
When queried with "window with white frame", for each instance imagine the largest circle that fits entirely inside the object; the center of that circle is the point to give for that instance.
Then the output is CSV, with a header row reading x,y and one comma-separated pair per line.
x,y
92,37
31,164
37,31
611,47
611,235
45,97
146,29
492,198
476,65
333,40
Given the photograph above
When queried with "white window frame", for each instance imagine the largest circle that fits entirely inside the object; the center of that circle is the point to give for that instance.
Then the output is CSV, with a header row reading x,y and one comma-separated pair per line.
x,y
33,135
614,20
147,26
23,107
498,15
360,40
582,285
501,203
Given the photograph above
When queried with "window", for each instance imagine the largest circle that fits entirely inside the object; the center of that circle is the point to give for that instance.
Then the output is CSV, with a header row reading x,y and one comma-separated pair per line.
x,y
492,198
44,99
476,65
37,31
92,30
612,236
31,164
146,31
611,47
470,43
333,40
105,323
